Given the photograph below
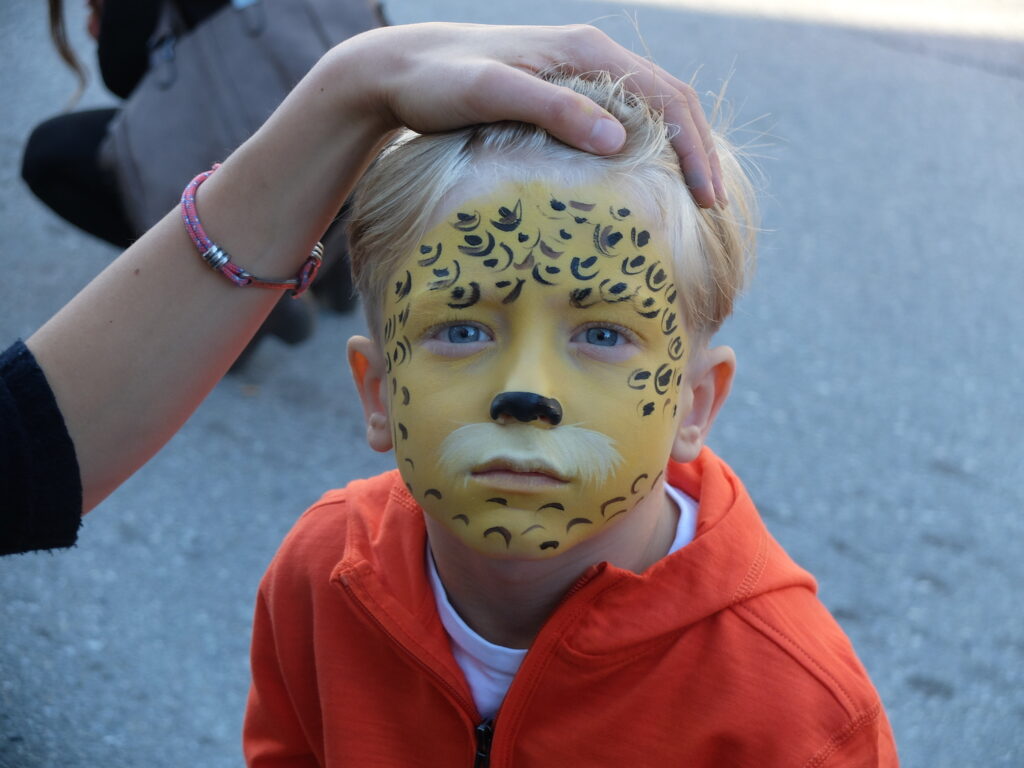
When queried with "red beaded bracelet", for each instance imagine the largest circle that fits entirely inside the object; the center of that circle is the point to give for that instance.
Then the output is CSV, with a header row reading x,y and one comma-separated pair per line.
x,y
219,260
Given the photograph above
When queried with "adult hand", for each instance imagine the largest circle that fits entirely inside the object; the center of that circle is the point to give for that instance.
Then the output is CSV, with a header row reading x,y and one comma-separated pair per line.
x,y
434,77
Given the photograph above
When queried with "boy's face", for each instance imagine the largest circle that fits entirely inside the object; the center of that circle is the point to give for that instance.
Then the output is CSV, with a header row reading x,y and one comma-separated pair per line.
x,y
534,357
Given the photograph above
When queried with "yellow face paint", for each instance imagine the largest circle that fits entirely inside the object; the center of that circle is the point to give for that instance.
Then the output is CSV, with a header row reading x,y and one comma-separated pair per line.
x,y
534,353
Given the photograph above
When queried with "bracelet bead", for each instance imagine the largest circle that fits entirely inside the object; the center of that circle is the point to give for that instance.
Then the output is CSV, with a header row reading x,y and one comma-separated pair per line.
x,y
219,260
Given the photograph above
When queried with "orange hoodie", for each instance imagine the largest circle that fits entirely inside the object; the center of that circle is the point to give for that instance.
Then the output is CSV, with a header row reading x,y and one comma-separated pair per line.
x,y
719,655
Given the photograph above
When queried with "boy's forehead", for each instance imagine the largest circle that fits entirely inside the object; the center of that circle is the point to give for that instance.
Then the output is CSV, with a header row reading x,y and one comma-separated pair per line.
x,y
597,241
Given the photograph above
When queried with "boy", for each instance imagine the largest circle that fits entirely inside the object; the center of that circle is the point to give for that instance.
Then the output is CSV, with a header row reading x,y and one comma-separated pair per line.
x,y
559,573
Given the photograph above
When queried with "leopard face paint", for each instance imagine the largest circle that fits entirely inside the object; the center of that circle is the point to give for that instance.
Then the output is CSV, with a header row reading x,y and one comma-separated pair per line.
x,y
534,353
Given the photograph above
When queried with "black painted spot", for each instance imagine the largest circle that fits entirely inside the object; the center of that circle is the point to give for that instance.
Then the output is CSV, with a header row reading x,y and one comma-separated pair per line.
x,y
459,292
549,545
676,349
614,293
578,521
431,259
394,385
580,219
405,396
648,409
633,266
502,283
498,500
632,487
552,270
557,205
616,500
403,350
645,309
578,298
662,378
638,379
539,278
642,238
441,272
402,287
432,492
461,517
522,237
509,218
403,430
476,246
501,531
656,277
576,266
669,322
564,235
552,505
466,222
623,212
445,278
514,293
490,263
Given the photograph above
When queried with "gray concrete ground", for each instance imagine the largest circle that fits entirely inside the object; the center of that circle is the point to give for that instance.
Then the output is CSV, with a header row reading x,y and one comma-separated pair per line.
x,y
876,419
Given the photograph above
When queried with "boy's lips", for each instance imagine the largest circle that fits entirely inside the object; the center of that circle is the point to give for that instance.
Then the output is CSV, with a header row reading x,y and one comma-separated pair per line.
x,y
518,473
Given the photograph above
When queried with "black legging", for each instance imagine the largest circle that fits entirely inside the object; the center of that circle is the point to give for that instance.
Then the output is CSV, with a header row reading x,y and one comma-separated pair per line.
x,y
61,167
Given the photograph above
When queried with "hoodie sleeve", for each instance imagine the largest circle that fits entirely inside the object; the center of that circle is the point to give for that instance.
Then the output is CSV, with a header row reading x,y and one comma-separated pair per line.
x,y
40,487
272,736
867,742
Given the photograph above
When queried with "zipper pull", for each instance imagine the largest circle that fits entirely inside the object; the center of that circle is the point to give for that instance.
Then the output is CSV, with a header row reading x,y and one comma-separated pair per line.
x,y
484,736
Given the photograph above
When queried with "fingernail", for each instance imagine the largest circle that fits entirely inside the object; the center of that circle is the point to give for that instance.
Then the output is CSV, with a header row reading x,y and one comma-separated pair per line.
x,y
606,136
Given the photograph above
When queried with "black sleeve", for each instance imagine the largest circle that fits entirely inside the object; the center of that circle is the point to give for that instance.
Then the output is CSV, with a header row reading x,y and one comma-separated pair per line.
x,y
40,485
123,50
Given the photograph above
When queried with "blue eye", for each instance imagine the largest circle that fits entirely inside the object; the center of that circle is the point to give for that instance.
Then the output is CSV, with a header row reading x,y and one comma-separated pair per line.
x,y
602,337
464,334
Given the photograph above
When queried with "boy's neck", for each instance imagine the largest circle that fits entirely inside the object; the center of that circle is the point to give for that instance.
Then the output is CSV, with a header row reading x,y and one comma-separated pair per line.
x,y
508,601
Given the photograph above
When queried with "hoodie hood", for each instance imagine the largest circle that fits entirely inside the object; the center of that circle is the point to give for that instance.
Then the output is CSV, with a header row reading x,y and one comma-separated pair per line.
x,y
731,558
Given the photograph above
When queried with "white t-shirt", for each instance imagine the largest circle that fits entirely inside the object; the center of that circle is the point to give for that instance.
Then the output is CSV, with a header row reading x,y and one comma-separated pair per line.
x,y
489,668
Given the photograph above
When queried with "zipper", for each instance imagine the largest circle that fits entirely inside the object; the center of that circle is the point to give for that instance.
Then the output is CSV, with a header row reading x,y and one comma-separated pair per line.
x,y
484,731
484,737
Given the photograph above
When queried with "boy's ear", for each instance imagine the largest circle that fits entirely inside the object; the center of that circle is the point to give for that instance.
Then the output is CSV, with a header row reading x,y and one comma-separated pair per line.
x,y
367,364
706,388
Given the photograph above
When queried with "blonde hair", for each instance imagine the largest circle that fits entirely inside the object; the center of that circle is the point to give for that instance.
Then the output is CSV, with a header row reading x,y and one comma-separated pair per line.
x,y
410,184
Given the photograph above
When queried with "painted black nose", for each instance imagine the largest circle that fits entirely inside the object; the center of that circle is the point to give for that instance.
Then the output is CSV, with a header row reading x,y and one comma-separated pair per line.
x,y
526,406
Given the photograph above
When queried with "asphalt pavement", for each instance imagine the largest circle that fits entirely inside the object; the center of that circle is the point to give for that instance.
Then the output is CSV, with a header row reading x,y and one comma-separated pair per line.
x,y
876,418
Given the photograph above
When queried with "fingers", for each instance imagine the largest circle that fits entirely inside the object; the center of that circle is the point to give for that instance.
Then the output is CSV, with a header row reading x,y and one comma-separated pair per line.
x,y
590,49
565,114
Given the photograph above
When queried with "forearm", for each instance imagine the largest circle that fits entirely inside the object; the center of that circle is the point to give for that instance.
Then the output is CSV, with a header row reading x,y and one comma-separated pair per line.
x,y
131,357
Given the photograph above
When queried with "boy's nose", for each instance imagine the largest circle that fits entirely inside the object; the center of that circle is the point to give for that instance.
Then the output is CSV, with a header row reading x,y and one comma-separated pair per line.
x,y
526,406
